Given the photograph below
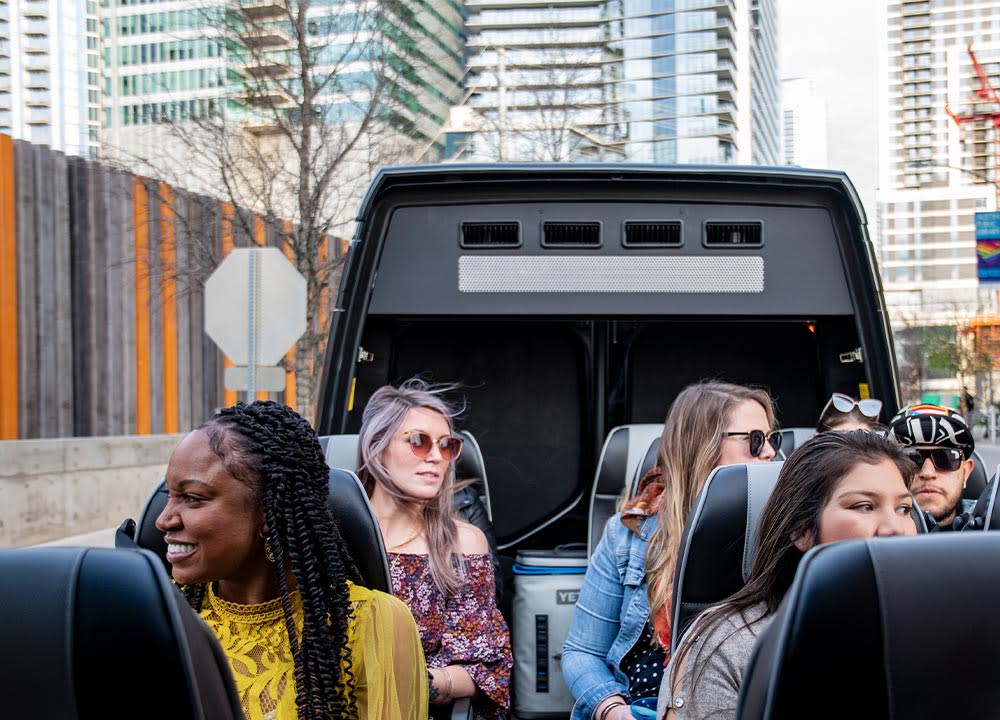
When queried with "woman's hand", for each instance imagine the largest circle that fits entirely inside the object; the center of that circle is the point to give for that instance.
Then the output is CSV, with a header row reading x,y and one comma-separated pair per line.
x,y
613,708
448,683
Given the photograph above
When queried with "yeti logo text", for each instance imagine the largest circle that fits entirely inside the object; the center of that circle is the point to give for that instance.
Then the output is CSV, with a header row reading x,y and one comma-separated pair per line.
x,y
567,597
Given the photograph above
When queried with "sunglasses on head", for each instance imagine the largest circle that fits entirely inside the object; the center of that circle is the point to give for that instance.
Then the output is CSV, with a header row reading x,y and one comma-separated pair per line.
x,y
420,442
869,407
944,459
757,438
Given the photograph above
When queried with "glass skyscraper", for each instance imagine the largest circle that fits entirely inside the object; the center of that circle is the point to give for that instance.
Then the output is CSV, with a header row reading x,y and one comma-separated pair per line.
x,y
689,81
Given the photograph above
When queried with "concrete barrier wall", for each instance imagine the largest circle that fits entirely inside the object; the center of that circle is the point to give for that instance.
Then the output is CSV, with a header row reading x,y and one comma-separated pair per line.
x,y
50,489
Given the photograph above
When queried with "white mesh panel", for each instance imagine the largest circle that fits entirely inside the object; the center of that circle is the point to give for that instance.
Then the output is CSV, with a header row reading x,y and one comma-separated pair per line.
x,y
603,274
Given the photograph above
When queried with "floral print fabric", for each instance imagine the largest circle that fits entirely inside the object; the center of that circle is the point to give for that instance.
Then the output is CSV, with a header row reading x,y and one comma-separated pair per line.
x,y
466,629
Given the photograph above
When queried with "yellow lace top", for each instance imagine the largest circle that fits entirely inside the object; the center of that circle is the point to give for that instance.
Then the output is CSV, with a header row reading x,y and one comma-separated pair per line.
x,y
388,663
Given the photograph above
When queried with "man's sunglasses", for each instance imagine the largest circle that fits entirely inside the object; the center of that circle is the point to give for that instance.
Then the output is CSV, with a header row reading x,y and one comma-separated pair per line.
x,y
944,459
757,438
870,407
420,443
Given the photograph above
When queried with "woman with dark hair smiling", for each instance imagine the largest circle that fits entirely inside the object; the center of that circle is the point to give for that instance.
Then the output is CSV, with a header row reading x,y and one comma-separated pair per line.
x,y
259,557
836,486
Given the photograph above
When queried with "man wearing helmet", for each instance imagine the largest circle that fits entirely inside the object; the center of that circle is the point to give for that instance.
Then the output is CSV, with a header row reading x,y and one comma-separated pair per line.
x,y
939,442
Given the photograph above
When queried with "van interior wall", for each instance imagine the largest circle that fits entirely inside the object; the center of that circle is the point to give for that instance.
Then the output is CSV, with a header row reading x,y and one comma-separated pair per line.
x,y
781,357
527,388
541,395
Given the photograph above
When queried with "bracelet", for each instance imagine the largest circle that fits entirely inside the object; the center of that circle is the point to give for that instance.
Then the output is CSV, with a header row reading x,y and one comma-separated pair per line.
x,y
607,708
447,674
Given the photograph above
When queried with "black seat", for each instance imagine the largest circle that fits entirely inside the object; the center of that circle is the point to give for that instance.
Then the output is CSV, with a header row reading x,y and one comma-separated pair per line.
x,y
717,548
975,484
350,509
624,449
858,632
716,552
792,437
95,633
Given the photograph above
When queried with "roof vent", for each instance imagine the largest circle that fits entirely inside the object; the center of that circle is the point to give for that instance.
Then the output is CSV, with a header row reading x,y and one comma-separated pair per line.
x,y
652,234
739,234
491,234
571,234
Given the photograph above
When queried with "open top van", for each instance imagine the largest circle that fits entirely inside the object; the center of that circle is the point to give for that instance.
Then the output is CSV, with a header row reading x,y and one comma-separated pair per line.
x,y
572,303
571,299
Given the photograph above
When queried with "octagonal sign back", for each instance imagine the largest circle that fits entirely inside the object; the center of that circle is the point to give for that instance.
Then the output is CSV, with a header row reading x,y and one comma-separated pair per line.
x,y
280,300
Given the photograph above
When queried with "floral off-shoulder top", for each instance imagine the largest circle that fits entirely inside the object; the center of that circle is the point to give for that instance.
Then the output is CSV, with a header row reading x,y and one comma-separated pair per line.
x,y
466,629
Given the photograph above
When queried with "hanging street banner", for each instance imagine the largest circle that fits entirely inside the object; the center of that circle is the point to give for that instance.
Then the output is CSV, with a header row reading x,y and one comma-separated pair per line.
x,y
988,246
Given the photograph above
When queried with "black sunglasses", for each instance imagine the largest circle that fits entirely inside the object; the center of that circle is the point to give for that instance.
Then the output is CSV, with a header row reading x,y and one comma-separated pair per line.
x,y
944,459
757,438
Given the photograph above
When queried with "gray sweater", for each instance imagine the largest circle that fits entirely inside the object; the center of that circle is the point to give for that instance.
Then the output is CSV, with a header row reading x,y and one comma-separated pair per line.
x,y
709,685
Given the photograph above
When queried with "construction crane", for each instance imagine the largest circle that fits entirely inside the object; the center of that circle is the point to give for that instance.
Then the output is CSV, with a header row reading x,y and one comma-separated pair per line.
x,y
986,94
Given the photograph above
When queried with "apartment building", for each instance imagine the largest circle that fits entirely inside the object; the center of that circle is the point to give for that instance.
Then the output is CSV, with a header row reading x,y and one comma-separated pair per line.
x,y
803,120
167,62
50,90
935,174
689,81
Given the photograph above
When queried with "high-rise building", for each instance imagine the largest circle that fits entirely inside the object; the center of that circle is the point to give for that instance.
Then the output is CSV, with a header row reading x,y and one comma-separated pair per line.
x,y
934,173
687,81
161,63
50,73
191,59
803,132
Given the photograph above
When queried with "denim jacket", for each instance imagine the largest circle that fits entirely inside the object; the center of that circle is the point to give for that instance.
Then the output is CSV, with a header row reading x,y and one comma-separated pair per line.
x,y
610,616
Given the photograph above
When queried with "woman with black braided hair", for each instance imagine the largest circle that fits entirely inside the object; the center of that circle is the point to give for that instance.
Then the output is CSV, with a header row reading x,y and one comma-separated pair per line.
x,y
256,552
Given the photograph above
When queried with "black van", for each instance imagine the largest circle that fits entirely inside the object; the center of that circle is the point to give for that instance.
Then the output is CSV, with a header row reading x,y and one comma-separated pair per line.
x,y
569,300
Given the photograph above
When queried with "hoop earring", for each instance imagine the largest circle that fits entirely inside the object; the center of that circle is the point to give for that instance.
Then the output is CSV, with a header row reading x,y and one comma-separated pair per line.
x,y
268,551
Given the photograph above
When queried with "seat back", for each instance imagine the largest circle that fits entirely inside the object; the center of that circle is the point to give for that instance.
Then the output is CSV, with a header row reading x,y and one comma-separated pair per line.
x,y
792,437
623,452
351,511
94,633
856,625
975,484
719,541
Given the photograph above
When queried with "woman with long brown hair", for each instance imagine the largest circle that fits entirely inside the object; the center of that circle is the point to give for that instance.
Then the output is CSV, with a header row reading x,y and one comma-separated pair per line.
x,y
616,648
836,486
441,566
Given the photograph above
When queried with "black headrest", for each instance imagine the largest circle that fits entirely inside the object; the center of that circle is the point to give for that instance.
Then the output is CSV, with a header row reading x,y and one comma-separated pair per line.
x,y
975,484
94,633
358,526
868,623
719,539
470,463
350,509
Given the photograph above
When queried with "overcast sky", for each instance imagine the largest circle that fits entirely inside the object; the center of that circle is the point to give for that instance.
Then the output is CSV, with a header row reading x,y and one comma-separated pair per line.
x,y
836,44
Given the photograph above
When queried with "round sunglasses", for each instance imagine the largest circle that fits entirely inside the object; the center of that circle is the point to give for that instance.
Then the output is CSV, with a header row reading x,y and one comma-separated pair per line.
x,y
757,438
420,442
869,407
944,459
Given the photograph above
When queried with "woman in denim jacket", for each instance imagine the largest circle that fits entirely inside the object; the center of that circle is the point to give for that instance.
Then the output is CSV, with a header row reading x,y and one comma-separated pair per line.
x,y
616,648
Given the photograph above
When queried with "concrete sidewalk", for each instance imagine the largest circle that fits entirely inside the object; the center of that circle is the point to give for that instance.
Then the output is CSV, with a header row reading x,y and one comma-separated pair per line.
x,y
101,538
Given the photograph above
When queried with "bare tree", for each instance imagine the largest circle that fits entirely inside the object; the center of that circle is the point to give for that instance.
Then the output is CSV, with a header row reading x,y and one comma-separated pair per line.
x,y
313,106
549,104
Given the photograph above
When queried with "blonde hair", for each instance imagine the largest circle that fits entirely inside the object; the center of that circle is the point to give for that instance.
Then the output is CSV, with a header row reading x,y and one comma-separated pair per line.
x,y
382,418
690,447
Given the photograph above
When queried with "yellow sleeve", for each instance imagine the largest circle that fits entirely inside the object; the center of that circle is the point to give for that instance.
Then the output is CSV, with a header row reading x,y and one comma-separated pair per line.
x,y
388,662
